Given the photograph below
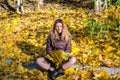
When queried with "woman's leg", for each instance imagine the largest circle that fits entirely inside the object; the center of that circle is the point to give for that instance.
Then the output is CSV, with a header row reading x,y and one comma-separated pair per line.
x,y
69,63
43,63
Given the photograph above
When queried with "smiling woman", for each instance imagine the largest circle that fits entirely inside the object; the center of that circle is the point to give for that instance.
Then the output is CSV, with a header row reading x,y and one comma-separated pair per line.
x,y
58,39
59,28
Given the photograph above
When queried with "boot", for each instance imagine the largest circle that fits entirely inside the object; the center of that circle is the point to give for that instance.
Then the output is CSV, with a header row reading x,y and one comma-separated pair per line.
x,y
49,74
58,72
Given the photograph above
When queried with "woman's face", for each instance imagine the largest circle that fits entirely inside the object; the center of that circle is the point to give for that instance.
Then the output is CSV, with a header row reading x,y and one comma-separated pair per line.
x,y
59,27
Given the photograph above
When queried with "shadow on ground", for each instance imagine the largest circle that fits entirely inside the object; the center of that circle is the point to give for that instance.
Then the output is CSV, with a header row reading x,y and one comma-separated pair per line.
x,y
30,49
5,5
32,4
88,4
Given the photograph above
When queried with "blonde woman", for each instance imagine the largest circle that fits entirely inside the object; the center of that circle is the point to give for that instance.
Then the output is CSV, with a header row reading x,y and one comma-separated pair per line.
x,y
58,39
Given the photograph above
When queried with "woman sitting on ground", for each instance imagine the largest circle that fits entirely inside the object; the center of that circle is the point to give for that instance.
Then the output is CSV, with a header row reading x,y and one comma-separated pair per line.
x,y
58,39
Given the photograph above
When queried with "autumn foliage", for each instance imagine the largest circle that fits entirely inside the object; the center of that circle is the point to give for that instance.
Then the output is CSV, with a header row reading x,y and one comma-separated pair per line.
x,y
95,43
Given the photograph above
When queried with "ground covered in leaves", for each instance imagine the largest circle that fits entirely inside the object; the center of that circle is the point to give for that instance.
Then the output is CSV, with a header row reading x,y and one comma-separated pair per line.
x,y
95,43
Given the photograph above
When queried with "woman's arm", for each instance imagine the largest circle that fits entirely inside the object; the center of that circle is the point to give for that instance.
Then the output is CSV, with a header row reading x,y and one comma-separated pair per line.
x,y
48,45
68,47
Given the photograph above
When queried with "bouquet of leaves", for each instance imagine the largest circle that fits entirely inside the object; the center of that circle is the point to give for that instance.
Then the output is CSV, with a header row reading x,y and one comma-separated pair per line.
x,y
58,57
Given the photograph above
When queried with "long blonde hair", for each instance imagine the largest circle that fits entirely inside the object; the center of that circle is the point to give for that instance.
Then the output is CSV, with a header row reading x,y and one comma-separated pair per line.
x,y
65,36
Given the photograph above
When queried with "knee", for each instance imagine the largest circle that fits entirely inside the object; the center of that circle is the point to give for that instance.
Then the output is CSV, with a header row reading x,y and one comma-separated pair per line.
x,y
39,60
72,60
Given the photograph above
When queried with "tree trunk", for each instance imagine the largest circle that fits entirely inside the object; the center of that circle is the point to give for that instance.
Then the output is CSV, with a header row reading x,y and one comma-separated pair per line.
x,y
105,6
98,6
40,3
20,8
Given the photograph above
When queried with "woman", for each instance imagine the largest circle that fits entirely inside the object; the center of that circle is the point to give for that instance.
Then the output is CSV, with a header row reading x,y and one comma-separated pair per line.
x,y
58,39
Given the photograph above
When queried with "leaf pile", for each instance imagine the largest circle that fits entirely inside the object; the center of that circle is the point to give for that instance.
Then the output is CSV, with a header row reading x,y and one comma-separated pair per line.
x,y
96,41
58,57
